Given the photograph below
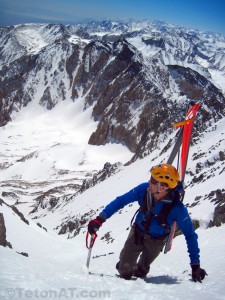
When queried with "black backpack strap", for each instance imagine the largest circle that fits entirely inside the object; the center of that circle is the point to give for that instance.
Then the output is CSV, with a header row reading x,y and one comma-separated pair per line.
x,y
162,217
178,193
150,206
131,222
146,206
143,206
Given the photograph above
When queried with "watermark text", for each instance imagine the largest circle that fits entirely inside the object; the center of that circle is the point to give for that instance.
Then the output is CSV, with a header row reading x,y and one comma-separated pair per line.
x,y
62,293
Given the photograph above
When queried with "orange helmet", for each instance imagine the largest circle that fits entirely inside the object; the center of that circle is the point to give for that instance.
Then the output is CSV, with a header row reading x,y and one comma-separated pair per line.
x,y
167,174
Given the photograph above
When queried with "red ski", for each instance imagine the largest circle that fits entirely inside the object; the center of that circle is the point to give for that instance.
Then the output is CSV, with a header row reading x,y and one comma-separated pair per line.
x,y
183,142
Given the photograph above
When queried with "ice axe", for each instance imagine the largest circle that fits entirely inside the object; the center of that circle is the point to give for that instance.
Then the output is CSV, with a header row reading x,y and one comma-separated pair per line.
x,y
89,246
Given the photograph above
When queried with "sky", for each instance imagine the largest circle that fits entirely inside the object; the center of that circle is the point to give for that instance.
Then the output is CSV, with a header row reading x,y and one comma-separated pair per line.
x,y
207,15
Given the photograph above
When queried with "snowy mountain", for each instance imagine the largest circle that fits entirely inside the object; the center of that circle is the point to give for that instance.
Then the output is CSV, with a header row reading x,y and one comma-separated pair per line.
x,y
85,111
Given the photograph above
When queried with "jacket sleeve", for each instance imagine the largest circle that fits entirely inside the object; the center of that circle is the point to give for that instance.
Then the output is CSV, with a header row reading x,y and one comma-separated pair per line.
x,y
185,224
135,194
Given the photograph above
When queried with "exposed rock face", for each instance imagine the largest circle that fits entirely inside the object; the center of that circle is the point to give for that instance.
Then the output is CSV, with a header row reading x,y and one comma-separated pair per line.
x,y
15,209
3,241
219,213
106,172
12,94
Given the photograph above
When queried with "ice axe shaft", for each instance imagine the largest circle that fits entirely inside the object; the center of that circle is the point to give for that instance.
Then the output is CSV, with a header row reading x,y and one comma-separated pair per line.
x,y
89,246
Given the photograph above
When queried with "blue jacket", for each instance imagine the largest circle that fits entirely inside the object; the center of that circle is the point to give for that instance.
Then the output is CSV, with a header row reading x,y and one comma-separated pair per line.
x,y
178,213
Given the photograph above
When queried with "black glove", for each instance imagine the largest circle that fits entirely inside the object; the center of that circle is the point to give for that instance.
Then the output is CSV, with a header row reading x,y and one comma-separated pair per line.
x,y
95,224
198,274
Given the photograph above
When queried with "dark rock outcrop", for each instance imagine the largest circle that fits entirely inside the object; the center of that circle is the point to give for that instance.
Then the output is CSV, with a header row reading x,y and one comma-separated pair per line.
x,y
219,212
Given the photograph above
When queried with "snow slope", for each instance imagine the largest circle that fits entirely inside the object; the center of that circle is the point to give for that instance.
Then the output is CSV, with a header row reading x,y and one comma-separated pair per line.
x,y
56,268
56,140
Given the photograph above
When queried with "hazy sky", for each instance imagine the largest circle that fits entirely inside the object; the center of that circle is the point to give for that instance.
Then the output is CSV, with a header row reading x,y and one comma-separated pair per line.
x,y
201,14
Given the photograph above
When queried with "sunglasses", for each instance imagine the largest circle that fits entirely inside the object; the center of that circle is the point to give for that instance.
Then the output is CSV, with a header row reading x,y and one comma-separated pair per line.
x,y
153,181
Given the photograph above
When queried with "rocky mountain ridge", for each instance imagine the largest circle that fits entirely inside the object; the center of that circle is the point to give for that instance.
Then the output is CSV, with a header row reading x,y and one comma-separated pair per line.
x,y
136,82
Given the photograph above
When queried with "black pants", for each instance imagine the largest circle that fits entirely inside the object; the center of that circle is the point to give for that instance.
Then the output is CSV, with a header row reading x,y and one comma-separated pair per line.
x,y
148,250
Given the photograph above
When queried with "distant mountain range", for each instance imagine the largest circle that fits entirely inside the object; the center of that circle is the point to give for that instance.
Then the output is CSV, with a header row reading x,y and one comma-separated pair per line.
x,y
137,76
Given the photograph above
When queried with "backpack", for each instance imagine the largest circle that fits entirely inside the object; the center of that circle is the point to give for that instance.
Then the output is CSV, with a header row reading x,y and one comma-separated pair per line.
x,y
176,194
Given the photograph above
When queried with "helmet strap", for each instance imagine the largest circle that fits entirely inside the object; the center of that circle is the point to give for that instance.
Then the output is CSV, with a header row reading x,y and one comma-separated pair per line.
x,y
159,188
